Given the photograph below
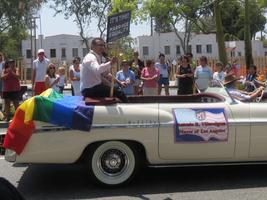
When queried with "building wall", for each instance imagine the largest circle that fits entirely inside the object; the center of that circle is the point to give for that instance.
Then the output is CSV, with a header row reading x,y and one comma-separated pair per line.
x,y
161,42
57,42
158,42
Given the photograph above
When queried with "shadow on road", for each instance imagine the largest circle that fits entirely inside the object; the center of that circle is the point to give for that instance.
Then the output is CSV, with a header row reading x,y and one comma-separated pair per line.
x,y
72,182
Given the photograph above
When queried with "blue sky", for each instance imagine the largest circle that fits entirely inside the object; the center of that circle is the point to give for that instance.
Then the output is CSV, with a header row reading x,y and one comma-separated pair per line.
x,y
58,25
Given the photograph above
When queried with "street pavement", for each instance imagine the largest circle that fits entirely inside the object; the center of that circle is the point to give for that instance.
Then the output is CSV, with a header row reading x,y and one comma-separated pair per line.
x,y
48,182
67,182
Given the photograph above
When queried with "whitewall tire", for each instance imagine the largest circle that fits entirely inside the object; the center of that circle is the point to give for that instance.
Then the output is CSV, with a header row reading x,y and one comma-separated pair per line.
x,y
113,163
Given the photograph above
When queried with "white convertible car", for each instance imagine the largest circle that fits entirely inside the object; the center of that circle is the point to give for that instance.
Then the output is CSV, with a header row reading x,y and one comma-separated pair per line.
x,y
202,129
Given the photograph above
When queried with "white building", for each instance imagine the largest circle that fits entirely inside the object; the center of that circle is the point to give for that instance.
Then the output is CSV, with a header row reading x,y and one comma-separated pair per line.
x,y
200,45
60,49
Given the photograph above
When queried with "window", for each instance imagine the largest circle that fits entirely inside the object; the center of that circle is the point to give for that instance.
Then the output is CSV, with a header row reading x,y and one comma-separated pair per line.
x,y
198,48
232,53
178,50
240,54
28,53
145,51
63,53
167,50
189,49
209,48
75,52
85,51
53,53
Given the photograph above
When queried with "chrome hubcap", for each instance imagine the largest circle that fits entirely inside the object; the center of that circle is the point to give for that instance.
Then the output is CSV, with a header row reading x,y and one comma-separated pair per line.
x,y
113,162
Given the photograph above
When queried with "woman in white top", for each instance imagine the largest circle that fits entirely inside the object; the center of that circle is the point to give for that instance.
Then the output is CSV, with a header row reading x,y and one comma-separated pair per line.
x,y
51,79
75,77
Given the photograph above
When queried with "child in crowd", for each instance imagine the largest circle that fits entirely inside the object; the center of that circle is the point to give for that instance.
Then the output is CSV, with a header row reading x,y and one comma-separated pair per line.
x,y
219,74
62,79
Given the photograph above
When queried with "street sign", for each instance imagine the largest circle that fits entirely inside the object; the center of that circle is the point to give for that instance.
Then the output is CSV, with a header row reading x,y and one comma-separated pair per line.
x,y
118,26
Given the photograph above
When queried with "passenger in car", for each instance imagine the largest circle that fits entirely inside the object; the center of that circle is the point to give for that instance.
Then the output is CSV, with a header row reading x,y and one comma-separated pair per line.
x,y
230,83
250,78
91,73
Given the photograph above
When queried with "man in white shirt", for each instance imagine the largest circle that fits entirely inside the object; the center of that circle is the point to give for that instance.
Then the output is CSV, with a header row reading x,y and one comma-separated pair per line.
x,y
203,74
38,72
91,82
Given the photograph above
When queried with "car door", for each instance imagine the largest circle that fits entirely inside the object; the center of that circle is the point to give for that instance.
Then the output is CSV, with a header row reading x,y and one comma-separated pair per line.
x,y
196,131
258,126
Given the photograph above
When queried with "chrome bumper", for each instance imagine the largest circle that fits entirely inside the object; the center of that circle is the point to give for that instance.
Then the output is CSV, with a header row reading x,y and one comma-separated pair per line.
x,y
10,155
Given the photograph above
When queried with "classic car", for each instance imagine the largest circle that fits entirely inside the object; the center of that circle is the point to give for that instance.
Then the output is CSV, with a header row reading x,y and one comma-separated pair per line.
x,y
209,128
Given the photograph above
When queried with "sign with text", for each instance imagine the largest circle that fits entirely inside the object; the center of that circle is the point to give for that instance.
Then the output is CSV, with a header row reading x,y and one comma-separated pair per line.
x,y
200,125
118,26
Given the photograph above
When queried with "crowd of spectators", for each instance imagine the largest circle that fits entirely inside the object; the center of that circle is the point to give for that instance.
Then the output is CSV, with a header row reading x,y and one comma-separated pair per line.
x,y
92,76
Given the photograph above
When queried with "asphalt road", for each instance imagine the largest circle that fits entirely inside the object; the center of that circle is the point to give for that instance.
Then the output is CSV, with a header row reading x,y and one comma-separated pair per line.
x,y
40,182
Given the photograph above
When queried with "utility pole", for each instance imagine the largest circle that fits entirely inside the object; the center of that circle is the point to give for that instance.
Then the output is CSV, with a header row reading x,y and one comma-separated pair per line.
x,y
41,34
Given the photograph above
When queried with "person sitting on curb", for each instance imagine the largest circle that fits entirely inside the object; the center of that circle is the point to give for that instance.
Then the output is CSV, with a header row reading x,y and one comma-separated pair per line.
x,y
230,83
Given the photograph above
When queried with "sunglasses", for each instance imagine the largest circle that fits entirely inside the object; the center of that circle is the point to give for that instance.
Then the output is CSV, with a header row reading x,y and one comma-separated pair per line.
x,y
52,68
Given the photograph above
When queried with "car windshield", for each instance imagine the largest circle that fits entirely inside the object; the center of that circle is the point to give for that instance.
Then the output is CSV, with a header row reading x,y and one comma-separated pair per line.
x,y
218,88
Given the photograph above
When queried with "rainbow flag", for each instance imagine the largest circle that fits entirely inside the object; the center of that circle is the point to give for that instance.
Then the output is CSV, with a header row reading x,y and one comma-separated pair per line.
x,y
51,107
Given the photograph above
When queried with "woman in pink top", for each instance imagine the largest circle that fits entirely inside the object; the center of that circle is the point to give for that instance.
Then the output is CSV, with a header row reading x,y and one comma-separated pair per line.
x,y
11,89
150,76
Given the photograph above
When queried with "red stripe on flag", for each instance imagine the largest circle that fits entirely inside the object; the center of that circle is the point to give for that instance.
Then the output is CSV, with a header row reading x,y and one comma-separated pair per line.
x,y
18,133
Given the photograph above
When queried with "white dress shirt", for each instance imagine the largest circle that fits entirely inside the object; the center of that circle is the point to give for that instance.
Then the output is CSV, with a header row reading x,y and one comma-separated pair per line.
x,y
91,70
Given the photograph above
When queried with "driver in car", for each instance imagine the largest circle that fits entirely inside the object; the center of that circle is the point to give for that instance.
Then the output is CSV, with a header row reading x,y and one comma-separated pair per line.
x,y
230,82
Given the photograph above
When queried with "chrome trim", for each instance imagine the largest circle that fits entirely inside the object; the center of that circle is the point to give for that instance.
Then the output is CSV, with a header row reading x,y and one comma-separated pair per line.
x,y
51,128
231,122
10,155
208,164
145,125
247,122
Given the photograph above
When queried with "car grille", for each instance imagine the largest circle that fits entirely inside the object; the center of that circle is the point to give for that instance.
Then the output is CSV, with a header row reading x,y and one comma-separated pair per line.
x,y
2,149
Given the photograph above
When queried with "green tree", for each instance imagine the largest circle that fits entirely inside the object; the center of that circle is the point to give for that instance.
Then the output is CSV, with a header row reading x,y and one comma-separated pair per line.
x,y
219,32
81,10
14,20
247,36
233,15
100,10
161,26
236,19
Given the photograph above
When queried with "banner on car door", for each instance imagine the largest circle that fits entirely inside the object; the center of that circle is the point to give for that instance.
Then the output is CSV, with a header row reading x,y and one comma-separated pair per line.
x,y
200,125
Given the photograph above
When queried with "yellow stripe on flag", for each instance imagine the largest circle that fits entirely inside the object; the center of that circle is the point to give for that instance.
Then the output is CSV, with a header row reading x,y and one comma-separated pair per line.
x,y
46,93
28,108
